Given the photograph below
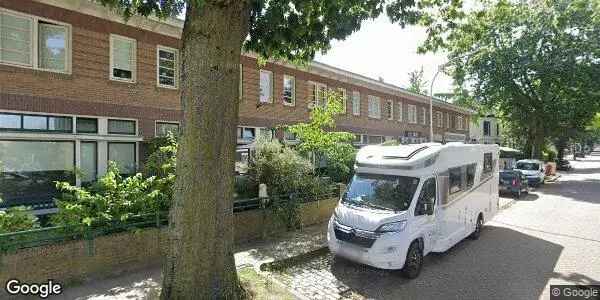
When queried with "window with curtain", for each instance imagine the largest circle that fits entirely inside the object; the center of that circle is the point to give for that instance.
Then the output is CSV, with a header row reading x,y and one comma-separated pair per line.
x,y
52,47
289,90
399,109
89,162
121,127
16,39
374,107
412,114
266,86
164,128
123,62
123,154
167,67
356,103
87,125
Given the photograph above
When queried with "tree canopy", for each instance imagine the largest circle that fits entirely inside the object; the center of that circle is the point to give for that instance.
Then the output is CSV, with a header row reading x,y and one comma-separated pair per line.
x,y
416,81
535,62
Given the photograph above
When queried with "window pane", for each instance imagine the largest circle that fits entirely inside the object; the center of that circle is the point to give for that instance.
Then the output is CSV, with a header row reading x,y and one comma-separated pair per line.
x,y
60,124
162,129
35,122
89,161
30,169
356,103
289,89
167,64
123,58
266,87
123,154
8,121
85,125
470,175
52,47
15,39
121,127
248,133
455,180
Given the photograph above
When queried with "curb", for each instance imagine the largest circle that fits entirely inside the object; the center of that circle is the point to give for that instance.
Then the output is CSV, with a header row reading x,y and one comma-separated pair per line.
x,y
293,260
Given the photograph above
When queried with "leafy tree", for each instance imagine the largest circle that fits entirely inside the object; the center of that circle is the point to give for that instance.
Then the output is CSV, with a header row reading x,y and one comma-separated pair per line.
x,y
318,138
535,62
16,219
199,262
416,82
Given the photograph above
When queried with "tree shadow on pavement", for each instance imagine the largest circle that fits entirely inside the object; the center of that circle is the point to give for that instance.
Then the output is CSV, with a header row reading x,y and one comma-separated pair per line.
x,y
502,264
577,189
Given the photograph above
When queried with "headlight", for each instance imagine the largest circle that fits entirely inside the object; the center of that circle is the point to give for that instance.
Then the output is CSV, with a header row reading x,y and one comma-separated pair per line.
x,y
392,227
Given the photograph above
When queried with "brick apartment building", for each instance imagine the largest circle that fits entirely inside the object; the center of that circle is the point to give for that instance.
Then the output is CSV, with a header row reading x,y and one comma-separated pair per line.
x,y
80,87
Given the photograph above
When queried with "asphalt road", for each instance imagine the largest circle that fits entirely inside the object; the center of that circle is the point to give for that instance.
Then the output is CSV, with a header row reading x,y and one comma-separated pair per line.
x,y
551,236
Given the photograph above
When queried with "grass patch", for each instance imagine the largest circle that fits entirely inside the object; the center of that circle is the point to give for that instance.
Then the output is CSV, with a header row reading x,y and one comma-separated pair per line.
x,y
262,288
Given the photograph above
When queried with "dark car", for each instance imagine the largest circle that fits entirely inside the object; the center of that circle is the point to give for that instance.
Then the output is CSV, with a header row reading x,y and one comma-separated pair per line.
x,y
563,165
513,182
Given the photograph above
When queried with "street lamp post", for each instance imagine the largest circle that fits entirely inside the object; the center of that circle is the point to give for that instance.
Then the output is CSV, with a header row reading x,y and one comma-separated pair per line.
x,y
440,68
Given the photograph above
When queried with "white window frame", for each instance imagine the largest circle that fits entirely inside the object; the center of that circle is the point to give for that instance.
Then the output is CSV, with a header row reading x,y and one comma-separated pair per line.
x,y
423,115
293,103
175,65
448,120
439,119
134,60
344,95
399,105
316,89
459,123
391,104
375,100
270,99
156,122
356,103
34,43
412,114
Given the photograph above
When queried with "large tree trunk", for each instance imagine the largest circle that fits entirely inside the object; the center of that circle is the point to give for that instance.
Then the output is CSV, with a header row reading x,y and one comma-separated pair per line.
x,y
199,262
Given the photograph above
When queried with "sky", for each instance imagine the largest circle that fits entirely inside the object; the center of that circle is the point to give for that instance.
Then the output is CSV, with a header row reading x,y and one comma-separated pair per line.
x,y
383,49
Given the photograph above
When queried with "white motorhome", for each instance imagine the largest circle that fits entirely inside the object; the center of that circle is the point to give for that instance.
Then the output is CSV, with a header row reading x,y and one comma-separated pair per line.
x,y
407,201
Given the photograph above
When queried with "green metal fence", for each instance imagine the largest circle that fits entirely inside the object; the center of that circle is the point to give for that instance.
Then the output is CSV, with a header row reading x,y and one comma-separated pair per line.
x,y
50,235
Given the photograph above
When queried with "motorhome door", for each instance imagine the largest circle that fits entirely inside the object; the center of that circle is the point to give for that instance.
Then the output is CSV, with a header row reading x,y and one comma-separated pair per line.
x,y
424,213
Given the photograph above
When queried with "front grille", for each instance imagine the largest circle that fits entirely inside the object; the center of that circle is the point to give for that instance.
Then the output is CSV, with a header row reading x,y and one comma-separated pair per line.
x,y
354,236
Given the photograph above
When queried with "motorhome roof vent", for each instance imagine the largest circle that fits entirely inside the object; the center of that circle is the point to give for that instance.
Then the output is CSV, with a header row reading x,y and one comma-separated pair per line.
x,y
404,152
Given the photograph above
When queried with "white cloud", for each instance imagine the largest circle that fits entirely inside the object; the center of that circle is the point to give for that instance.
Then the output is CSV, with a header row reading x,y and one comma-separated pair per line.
x,y
383,49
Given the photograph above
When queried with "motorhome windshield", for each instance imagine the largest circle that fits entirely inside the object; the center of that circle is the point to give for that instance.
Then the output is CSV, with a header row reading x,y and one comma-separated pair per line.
x,y
381,191
528,166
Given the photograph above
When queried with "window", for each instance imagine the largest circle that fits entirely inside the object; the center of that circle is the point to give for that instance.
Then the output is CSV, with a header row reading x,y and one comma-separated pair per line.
x,y
123,154
374,139
18,32
87,125
471,175
167,67
426,198
246,133
89,162
121,127
423,115
122,58
399,109
389,109
374,107
447,120
289,136
486,128
455,180
318,94
488,165
164,128
358,139
31,168
342,92
497,129
439,116
266,86
356,103
289,90
459,122
19,122
266,133
412,114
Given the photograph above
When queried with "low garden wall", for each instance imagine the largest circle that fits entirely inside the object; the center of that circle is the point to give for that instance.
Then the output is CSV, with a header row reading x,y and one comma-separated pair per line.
x,y
70,262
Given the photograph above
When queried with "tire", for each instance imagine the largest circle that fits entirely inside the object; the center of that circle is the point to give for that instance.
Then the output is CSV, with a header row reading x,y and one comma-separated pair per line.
x,y
517,194
414,261
478,227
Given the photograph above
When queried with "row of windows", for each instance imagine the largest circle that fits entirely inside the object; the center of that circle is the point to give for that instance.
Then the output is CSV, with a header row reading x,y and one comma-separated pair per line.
x,y
38,43
462,178
62,124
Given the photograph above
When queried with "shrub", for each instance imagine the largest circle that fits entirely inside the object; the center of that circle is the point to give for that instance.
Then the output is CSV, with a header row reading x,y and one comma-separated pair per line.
x,y
112,198
17,219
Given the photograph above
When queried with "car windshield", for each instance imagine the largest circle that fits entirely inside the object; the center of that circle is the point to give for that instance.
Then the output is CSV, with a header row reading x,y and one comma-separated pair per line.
x,y
528,166
507,175
385,192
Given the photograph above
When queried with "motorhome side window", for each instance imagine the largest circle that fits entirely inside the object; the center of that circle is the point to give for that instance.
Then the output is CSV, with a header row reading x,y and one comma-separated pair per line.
x,y
427,197
455,180
488,165
470,175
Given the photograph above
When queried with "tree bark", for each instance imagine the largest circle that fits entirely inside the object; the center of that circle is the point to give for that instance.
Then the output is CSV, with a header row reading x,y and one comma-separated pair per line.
x,y
200,262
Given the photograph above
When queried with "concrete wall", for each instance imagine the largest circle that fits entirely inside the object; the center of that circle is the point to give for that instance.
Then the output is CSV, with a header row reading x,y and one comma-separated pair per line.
x,y
77,261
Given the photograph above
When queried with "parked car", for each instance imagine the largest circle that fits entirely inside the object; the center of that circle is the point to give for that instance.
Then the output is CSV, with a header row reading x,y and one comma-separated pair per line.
x,y
533,169
563,165
513,182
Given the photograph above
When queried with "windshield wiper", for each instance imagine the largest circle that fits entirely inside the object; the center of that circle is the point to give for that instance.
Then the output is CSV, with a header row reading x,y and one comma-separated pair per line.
x,y
377,206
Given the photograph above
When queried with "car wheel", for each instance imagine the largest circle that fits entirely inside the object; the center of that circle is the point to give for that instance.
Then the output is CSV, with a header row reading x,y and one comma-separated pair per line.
x,y
518,194
478,227
414,261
